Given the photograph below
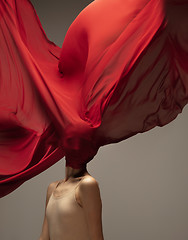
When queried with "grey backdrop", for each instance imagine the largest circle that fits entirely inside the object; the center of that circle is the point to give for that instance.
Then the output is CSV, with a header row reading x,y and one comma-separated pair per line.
x,y
143,180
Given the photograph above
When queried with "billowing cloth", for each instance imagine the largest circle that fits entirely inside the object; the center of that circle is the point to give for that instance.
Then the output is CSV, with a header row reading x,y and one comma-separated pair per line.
x,y
122,70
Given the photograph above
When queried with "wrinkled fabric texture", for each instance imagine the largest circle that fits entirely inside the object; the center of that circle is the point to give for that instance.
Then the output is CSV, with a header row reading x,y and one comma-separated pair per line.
x,y
122,70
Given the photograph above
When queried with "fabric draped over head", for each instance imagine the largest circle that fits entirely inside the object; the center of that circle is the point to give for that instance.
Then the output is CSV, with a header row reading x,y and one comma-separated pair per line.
x,y
122,70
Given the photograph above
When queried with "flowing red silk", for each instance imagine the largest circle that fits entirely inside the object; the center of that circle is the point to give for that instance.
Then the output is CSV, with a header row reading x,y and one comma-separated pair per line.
x,y
122,70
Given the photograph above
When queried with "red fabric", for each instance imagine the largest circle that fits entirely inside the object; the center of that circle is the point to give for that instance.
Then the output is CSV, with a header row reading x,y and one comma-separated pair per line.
x,y
122,70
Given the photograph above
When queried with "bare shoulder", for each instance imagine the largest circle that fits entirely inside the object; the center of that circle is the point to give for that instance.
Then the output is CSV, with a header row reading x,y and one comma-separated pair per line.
x,y
89,194
89,186
52,186
89,182
50,189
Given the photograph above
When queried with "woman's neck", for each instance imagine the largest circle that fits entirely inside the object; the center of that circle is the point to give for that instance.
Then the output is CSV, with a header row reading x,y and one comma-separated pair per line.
x,y
74,173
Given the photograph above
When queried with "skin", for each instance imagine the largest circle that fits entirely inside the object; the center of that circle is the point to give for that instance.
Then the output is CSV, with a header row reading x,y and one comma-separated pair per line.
x,y
88,197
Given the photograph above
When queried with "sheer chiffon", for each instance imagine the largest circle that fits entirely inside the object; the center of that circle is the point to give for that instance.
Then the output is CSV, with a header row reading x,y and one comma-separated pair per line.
x,y
122,70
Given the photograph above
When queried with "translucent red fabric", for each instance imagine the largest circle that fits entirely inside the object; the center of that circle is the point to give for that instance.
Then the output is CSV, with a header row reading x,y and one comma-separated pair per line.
x,y
122,70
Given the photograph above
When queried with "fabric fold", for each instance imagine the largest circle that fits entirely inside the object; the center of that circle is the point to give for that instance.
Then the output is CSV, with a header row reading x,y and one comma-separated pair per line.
x,y
122,70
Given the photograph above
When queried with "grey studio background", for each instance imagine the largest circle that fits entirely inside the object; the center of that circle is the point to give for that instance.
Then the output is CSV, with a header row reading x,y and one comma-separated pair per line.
x,y
143,180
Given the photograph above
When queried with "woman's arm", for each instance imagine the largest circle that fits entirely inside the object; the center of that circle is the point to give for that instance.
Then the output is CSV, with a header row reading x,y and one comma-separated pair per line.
x,y
90,199
45,233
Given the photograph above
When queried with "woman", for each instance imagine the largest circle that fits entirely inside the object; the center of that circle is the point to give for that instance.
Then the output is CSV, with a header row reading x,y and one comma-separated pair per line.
x,y
73,207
